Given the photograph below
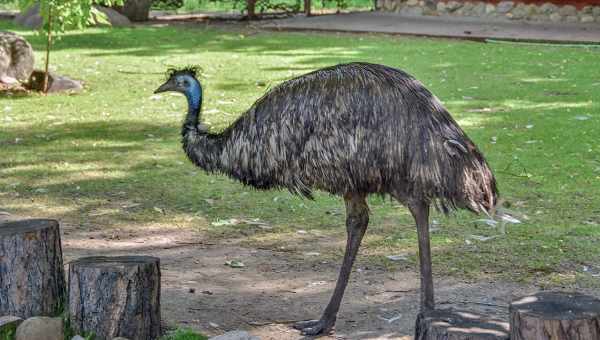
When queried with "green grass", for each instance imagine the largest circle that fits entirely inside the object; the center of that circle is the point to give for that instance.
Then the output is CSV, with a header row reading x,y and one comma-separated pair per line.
x,y
111,157
9,5
8,333
184,334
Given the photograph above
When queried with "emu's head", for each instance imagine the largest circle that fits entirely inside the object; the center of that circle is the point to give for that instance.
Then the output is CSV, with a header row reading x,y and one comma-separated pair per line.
x,y
184,81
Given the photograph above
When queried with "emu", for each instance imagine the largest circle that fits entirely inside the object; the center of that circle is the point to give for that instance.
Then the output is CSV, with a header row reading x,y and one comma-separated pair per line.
x,y
351,130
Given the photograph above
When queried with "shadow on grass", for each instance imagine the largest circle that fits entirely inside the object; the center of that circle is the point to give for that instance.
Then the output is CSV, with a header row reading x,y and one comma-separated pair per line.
x,y
92,166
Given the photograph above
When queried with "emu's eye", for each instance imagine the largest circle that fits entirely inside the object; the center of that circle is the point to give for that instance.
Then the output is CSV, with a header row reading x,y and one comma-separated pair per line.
x,y
186,83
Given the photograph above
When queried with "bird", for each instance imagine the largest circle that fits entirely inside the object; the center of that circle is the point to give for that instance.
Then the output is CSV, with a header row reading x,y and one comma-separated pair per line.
x,y
352,130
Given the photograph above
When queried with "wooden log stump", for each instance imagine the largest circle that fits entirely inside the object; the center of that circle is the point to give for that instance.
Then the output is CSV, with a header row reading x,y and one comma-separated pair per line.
x,y
115,296
32,281
555,316
448,324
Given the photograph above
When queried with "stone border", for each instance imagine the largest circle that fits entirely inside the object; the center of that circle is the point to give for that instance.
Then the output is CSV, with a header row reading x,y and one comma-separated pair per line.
x,y
547,12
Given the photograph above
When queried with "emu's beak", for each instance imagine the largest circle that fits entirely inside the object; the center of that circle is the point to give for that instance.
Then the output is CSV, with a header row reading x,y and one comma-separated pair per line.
x,y
168,86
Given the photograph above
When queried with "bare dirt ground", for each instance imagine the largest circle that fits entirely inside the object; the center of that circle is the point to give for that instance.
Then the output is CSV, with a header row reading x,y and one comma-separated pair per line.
x,y
276,288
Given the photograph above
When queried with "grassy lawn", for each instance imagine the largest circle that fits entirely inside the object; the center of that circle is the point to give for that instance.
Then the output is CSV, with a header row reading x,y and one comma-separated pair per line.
x,y
111,157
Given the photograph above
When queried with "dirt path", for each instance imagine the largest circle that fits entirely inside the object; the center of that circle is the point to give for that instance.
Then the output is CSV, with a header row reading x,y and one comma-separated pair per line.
x,y
275,288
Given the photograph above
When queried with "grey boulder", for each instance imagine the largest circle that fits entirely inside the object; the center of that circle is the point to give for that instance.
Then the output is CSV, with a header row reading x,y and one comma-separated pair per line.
x,y
56,83
115,18
40,328
16,58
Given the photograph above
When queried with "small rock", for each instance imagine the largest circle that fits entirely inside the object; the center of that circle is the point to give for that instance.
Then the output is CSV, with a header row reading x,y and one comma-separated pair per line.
x,y
572,18
530,10
452,6
587,18
429,8
504,6
40,328
412,11
391,5
540,17
412,2
586,10
77,337
547,8
568,10
441,7
479,9
468,6
9,324
490,8
520,11
596,11
235,335
555,17
465,10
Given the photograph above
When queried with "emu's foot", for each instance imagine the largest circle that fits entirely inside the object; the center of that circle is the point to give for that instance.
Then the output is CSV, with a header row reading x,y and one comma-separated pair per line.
x,y
315,327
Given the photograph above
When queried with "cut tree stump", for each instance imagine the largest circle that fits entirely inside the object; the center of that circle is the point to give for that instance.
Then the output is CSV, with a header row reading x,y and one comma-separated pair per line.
x,y
115,296
32,281
555,316
448,324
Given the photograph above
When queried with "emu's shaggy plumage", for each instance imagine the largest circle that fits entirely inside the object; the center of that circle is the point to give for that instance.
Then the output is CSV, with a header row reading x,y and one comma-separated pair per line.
x,y
352,130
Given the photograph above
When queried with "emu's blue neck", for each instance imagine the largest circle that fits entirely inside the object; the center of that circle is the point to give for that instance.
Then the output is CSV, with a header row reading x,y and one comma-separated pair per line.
x,y
202,148
194,98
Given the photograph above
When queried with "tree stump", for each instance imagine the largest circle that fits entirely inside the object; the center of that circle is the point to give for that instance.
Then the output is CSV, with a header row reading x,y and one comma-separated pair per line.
x,y
448,324
115,296
32,281
136,10
555,316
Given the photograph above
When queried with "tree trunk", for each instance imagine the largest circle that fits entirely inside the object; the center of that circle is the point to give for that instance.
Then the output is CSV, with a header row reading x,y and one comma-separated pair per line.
x,y
447,324
251,8
48,47
307,6
32,279
555,316
115,296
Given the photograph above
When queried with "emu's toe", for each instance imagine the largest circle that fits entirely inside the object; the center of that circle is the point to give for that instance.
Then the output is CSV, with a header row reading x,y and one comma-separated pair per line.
x,y
314,327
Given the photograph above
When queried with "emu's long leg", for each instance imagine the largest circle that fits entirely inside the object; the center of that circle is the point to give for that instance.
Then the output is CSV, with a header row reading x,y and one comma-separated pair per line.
x,y
357,219
420,212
